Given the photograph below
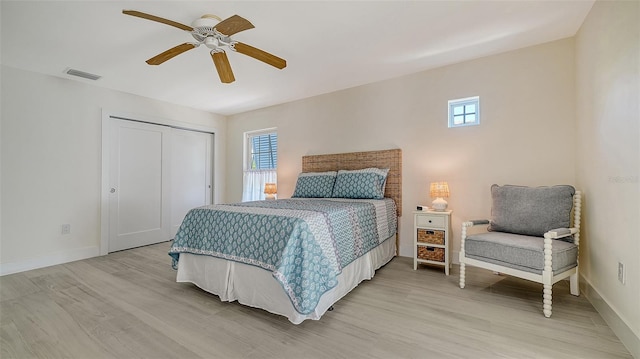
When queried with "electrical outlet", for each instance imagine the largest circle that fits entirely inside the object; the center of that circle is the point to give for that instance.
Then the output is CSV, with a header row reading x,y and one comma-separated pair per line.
x,y
66,229
621,276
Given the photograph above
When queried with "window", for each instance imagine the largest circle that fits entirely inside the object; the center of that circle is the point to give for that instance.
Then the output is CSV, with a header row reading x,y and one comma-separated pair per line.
x,y
464,112
263,151
261,162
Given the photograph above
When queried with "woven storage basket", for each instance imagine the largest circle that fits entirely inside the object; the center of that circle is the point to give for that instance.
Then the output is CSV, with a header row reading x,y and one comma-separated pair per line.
x,y
430,236
431,253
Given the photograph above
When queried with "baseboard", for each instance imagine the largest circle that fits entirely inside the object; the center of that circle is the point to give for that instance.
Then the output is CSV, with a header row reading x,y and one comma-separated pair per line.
x,y
617,324
49,260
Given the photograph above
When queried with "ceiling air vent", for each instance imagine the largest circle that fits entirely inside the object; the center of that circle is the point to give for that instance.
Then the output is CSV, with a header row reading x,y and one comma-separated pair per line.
x,y
86,75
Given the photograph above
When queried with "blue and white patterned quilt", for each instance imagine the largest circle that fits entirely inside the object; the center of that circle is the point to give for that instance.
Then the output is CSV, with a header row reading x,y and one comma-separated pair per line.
x,y
305,243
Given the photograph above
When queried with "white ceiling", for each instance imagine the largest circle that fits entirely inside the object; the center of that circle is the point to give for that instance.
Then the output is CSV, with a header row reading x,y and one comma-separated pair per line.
x,y
328,45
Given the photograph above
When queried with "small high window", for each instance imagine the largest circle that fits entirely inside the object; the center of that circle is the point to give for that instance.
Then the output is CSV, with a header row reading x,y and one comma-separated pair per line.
x,y
464,112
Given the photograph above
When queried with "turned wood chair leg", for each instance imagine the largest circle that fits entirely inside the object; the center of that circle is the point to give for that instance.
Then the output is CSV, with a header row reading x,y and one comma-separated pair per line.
x,y
546,306
462,274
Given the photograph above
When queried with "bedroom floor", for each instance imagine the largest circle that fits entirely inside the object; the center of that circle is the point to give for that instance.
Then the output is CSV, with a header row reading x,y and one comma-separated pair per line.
x,y
128,305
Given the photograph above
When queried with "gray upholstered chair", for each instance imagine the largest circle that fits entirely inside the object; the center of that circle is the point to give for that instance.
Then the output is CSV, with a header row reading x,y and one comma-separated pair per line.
x,y
530,236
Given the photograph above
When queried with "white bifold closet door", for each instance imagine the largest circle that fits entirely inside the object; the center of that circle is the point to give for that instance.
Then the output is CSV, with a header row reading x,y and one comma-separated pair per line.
x,y
157,173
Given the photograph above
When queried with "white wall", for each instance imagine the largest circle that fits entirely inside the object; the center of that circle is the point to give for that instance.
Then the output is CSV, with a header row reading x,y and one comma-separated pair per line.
x,y
526,135
51,163
608,127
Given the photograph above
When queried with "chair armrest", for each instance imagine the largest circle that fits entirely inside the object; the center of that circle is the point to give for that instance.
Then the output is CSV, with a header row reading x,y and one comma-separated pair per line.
x,y
560,233
475,222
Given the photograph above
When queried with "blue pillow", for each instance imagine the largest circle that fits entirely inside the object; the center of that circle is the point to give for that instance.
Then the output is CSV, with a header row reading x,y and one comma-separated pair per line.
x,y
368,183
315,184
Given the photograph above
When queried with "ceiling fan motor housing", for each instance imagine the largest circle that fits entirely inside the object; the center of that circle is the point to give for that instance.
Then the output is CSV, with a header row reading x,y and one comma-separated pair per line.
x,y
204,32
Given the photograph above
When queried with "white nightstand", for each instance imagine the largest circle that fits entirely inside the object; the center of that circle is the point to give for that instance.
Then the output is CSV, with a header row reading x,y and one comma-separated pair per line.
x,y
431,233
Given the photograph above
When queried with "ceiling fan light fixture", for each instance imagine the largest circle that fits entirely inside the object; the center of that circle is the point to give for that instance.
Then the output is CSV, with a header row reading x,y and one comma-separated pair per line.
x,y
211,42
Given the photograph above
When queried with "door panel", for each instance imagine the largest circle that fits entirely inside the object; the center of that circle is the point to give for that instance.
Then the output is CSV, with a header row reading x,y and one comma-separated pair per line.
x,y
140,183
191,179
139,201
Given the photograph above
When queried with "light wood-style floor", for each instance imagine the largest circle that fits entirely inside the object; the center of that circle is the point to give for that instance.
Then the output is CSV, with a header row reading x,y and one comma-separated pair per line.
x,y
128,305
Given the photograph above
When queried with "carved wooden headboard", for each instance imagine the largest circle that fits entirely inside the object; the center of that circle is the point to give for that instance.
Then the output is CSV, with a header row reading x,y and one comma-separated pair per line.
x,y
391,159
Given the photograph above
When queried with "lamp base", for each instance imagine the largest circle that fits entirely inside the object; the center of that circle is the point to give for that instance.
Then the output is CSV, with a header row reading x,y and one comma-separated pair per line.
x,y
269,197
439,204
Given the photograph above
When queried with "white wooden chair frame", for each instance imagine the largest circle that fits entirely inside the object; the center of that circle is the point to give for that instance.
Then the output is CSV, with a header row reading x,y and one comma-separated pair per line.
x,y
547,278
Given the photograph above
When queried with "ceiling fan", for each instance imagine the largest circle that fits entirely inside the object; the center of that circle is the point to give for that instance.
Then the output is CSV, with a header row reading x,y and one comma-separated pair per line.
x,y
215,34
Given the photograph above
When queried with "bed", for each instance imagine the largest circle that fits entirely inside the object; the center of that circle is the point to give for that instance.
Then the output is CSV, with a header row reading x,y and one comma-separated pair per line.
x,y
307,276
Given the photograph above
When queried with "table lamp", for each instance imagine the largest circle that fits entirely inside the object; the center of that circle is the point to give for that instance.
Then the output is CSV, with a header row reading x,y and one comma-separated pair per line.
x,y
439,191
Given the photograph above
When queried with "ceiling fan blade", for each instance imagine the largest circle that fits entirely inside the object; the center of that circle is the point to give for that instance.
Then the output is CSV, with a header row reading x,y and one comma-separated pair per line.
x,y
221,61
158,19
258,54
171,53
233,25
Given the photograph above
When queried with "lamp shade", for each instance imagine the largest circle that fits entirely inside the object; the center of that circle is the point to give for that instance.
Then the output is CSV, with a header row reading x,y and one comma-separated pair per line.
x,y
270,190
439,189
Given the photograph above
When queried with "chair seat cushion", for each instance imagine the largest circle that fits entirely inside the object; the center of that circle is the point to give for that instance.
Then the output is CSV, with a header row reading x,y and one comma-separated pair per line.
x,y
516,251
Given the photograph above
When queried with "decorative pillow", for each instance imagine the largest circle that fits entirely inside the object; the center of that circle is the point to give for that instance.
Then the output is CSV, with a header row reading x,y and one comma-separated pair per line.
x,y
315,184
368,183
530,211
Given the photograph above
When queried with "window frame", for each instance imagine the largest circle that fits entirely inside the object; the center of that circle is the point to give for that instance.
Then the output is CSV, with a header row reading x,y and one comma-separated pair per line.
x,y
474,100
248,136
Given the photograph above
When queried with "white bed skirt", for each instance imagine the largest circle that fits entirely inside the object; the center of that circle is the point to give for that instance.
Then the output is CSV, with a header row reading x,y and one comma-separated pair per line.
x,y
256,287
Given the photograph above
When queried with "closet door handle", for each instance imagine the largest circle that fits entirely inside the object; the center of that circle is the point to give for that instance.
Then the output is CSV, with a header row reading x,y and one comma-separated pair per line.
x,y
112,190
